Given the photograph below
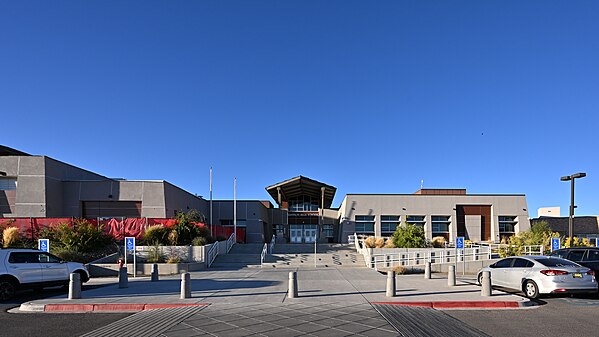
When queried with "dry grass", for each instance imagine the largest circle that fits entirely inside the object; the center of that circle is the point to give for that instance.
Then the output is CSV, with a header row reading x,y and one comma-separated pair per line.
x,y
10,236
399,270
370,242
389,244
438,242
379,242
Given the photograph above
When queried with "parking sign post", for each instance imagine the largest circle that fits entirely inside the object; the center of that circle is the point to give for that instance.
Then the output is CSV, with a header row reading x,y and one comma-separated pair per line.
x,y
43,245
555,244
130,246
459,244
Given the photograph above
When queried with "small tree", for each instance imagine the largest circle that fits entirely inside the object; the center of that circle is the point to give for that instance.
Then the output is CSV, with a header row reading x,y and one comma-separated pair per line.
x,y
409,236
186,228
539,234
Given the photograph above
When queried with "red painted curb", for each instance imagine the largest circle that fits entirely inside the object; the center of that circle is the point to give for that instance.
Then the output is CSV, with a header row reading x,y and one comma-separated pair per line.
x,y
457,304
107,307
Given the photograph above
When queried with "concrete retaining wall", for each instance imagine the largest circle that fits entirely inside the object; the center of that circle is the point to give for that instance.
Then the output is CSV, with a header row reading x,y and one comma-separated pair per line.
x,y
104,270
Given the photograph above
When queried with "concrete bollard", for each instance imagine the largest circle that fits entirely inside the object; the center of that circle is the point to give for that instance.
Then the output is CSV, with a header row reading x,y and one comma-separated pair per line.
x,y
486,289
390,284
154,272
292,292
123,278
74,286
185,285
451,276
427,271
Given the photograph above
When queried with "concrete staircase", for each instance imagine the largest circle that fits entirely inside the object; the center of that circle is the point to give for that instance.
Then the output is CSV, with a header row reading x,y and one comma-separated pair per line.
x,y
302,255
242,255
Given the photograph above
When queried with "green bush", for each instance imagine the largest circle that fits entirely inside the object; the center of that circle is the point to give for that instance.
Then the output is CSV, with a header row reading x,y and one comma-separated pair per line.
x,y
155,255
539,234
185,228
155,235
409,236
199,241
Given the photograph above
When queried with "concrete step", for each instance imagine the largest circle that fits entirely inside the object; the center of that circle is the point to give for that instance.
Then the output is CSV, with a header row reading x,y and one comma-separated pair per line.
x,y
247,248
306,248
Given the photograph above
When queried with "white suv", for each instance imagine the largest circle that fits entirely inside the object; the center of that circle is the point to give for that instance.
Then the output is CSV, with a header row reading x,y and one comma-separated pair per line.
x,y
30,268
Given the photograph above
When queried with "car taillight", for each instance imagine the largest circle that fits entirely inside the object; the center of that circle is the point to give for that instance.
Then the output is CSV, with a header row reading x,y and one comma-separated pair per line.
x,y
591,272
553,272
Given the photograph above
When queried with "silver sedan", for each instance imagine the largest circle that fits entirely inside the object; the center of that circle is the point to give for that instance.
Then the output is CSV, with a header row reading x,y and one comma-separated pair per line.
x,y
535,275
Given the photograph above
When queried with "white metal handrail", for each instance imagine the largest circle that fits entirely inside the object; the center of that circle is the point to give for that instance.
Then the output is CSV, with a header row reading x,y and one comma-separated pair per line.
x,y
263,254
230,242
271,245
211,254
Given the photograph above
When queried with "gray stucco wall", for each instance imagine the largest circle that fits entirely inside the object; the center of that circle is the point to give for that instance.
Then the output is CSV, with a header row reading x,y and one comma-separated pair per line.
x,y
253,212
429,205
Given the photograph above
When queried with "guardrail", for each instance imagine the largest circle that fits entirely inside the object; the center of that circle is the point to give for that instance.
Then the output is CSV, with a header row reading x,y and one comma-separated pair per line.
x,y
211,254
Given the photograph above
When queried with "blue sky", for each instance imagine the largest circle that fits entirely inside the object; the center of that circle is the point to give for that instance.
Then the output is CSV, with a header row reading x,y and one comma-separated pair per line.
x,y
370,97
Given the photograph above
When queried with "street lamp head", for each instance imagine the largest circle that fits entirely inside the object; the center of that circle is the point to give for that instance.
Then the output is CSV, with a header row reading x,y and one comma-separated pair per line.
x,y
579,175
565,178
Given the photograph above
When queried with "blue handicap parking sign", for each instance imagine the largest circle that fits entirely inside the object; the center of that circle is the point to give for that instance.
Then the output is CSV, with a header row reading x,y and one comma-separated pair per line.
x,y
459,242
130,243
555,244
44,245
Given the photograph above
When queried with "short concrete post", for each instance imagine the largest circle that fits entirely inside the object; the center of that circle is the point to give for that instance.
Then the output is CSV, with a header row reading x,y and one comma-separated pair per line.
x,y
451,276
74,286
427,271
390,284
292,292
185,285
123,278
486,289
154,272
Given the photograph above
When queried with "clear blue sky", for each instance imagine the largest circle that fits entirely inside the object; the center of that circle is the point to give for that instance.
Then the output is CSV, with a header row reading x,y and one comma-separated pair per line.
x,y
370,97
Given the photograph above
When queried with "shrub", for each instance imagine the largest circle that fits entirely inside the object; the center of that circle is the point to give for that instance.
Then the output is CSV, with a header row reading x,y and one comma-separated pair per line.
x,y
576,242
379,242
370,242
409,236
173,259
399,270
221,238
438,242
539,234
155,235
72,255
155,255
389,244
199,241
186,228
11,237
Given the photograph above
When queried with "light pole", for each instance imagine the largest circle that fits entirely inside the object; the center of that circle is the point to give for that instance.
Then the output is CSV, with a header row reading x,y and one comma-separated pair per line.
x,y
571,219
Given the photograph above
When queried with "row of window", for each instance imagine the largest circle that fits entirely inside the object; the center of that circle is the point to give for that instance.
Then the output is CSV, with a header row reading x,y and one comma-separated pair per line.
x,y
439,223
303,203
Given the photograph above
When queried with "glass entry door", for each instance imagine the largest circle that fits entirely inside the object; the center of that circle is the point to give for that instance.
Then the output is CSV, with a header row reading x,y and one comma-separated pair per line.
x,y
303,233
295,233
310,233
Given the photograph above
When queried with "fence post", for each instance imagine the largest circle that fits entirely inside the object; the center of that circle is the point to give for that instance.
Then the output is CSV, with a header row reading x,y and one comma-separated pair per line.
x,y
390,284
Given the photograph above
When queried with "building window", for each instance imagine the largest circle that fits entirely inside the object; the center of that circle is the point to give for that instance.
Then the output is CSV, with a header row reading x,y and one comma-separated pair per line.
x,y
229,222
8,184
417,220
507,225
440,225
328,231
364,224
303,203
388,224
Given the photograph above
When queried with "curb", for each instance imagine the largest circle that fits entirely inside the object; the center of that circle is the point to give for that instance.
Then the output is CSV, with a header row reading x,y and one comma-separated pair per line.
x,y
465,304
103,307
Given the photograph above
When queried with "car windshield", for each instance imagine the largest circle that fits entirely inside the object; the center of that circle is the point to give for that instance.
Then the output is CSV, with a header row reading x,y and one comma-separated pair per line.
x,y
556,262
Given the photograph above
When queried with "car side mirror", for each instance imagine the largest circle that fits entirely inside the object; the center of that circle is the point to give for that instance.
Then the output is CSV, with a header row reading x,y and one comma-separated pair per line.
x,y
492,265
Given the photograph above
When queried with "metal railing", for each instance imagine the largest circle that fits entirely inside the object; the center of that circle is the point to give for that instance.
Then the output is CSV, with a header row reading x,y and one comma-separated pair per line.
x,y
271,245
211,254
263,254
230,242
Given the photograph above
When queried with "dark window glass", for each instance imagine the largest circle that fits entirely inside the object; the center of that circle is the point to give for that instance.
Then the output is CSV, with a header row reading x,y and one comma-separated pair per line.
x,y
23,258
593,255
560,253
504,263
556,262
522,263
576,255
48,258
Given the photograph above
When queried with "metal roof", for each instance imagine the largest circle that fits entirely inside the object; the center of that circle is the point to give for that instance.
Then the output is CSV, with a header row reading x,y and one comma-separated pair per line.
x,y
299,186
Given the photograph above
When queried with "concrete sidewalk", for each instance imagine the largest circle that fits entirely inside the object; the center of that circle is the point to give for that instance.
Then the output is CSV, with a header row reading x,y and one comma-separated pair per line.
x,y
254,285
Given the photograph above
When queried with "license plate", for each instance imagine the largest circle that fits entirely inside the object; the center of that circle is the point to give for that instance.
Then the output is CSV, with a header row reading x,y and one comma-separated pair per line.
x,y
576,275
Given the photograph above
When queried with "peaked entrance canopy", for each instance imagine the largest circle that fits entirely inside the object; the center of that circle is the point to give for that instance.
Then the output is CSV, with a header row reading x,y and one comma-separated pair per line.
x,y
301,186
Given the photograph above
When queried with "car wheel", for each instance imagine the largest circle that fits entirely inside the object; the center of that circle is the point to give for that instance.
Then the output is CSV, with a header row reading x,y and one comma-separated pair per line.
x,y
8,288
480,279
531,290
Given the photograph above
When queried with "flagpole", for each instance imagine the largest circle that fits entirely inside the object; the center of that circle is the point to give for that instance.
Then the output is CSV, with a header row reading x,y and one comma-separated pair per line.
x,y
211,202
235,208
